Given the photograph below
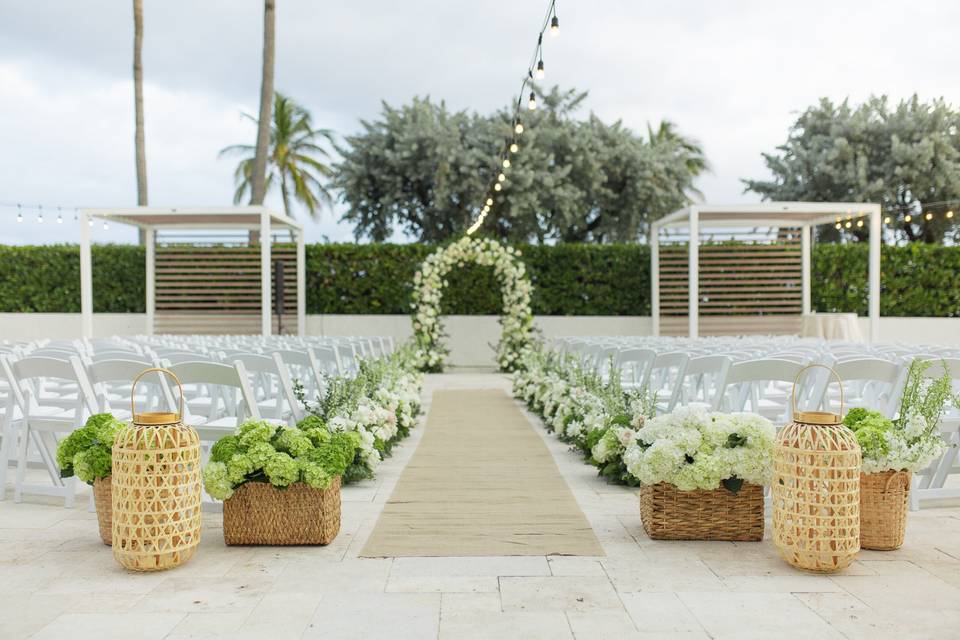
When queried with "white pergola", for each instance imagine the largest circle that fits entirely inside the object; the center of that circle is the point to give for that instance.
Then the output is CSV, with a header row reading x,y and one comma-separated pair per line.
x,y
152,219
771,214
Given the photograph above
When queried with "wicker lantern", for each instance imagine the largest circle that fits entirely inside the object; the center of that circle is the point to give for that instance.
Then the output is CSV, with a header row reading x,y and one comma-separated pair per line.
x,y
156,489
816,489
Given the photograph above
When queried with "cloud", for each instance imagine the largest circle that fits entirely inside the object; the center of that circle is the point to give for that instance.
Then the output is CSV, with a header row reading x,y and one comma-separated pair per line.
x,y
732,74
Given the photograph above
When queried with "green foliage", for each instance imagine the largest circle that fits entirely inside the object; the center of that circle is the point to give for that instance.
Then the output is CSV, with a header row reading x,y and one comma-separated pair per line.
x,y
927,394
296,162
426,171
902,156
86,452
568,279
46,279
870,428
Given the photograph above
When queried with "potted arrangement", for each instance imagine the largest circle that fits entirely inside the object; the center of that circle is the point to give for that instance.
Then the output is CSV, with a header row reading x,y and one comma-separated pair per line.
x,y
893,450
280,485
702,474
86,454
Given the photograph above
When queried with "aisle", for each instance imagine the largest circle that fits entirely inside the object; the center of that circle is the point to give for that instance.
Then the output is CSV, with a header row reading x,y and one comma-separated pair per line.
x,y
481,483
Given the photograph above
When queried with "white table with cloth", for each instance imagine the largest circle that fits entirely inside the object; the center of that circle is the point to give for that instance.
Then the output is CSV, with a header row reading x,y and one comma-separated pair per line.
x,y
832,326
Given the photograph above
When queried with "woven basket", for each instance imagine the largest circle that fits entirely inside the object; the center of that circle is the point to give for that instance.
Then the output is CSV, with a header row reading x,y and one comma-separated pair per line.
x,y
259,513
103,501
883,509
670,514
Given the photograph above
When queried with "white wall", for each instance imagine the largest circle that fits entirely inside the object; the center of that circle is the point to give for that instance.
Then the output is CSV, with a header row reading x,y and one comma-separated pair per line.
x,y
471,337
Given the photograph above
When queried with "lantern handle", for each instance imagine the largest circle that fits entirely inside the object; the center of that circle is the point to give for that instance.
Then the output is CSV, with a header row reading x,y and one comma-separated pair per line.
x,y
133,388
793,394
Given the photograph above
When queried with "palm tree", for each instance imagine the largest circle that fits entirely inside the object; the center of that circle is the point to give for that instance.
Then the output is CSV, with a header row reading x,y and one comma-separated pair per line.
x,y
295,160
259,169
686,148
138,137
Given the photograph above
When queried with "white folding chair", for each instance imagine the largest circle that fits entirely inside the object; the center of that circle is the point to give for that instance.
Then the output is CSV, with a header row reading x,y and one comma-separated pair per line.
x,y
871,383
43,421
751,384
228,387
704,381
267,386
666,378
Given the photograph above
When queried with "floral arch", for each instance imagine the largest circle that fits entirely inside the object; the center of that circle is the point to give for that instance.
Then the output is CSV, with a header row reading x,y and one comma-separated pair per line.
x,y
430,281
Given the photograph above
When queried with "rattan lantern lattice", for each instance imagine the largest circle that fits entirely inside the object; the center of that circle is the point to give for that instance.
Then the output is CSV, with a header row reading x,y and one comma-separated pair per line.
x,y
816,489
156,488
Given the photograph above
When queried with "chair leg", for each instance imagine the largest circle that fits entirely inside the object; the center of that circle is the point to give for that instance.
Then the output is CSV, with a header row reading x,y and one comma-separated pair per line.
x,y
6,455
21,462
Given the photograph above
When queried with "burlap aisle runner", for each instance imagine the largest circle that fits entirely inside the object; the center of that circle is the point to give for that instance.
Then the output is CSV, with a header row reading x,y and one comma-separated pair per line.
x,y
481,483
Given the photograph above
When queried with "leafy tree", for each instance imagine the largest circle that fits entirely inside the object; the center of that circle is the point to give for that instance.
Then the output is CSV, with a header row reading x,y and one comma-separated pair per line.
x,y
907,158
427,170
295,161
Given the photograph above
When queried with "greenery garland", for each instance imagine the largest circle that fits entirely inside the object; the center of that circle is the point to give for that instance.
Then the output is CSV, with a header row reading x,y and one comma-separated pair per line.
x,y
430,281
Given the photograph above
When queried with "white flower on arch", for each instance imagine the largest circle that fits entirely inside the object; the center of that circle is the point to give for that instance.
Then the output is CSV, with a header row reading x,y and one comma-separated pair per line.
x,y
430,281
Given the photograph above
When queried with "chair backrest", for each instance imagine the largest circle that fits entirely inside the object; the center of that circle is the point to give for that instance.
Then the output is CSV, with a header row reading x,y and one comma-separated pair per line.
x,y
634,364
328,360
705,379
220,375
750,382
28,375
872,383
666,378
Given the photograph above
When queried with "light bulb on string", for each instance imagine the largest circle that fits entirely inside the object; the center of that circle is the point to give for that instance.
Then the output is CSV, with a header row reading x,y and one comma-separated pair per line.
x,y
886,220
489,202
849,224
90,222
555,27
19,214
518,128
497,187
514,147
859,224
106,225
532,102
40,215
839,226
59,216
929,216
506,163
501,177
908,218
541,72
949,214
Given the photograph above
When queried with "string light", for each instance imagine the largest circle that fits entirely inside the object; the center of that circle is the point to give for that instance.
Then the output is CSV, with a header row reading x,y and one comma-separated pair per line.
x,y
886,220
19,214
106,225
929,216
908,218
859,224
59,216
849,224
536,68
949,214
40,215
839,226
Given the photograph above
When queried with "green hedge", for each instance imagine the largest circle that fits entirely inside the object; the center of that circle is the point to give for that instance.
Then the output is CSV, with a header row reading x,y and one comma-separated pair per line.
x,y
574,279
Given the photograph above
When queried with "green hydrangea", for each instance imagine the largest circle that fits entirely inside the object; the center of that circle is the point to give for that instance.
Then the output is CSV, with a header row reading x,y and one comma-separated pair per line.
x,y
93,463
251,433
260,453
239,467
337,454
855,415
215,481
293,441
871,429
317,435
314,475
224,448
311,422
282,470
86,452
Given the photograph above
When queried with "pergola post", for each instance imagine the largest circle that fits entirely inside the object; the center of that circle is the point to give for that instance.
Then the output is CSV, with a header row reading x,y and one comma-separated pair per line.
x,y
655,278
301,284
266,306
805,268
693,274
876,239
149,236
86,278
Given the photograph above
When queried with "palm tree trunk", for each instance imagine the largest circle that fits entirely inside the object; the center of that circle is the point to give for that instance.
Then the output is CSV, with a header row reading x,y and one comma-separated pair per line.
x,y
286,195
139,144
259,178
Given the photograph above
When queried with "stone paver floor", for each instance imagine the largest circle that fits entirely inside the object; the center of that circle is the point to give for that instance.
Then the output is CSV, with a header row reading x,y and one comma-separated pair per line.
x,y
58,581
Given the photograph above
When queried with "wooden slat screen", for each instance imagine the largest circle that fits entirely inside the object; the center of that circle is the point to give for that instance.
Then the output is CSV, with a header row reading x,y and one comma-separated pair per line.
x,y
217,289
754,288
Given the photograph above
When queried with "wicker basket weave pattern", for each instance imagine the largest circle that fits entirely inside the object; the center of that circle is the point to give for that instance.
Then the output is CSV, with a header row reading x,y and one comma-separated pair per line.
x,y
816,496
668,513
260,514
884,499
102,499
156,496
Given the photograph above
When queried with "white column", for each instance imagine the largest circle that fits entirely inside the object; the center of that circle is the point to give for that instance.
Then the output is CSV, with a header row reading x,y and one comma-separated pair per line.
x,y
266,304
151,303
301,285
805,267
655,278
86,278
876,239
693,277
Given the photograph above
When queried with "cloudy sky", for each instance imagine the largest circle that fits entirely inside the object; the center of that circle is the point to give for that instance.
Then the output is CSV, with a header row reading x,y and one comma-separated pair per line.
x,y
732,74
